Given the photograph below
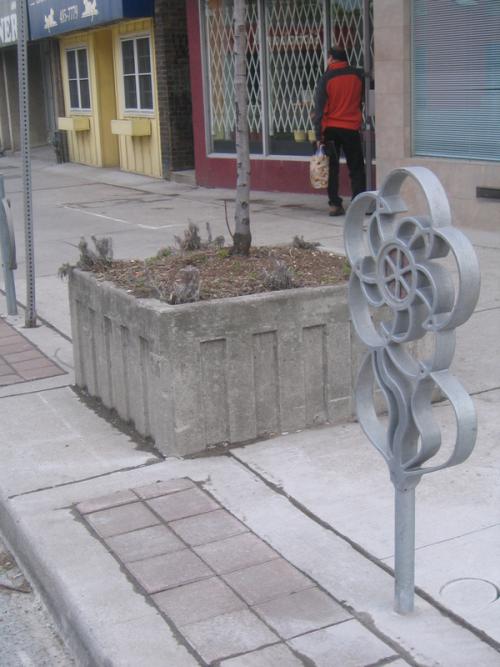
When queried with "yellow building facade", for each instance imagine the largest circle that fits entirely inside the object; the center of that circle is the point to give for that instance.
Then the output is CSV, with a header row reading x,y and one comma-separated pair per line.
x,y
111,106
138,132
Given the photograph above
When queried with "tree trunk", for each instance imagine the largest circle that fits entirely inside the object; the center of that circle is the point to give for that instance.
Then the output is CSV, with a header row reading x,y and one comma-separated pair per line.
x,y
242,238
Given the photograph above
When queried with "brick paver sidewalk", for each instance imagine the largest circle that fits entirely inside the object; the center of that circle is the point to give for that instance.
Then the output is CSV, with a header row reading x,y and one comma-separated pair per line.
x,y
233,599
20,360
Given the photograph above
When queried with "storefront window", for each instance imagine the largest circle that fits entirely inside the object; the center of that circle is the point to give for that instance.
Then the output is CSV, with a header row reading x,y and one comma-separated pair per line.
x,y
282,71
78,78
137,75
295,47
347,28
220,63
456,89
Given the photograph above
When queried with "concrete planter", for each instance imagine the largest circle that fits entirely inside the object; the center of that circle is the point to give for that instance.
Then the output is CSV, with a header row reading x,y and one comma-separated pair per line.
x,y
224,371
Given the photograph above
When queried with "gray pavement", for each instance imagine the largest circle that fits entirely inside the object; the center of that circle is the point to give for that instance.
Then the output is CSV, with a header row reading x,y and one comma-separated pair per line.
x,y
277,553
27,635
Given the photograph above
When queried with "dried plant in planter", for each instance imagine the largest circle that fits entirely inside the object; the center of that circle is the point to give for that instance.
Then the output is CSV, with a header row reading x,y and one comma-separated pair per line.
x,y
176,275
91,260
217,242
160,289
301,244
280,277
191,240
186,286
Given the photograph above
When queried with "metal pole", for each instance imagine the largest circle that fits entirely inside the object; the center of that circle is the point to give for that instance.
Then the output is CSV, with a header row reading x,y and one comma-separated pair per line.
x,y
409,383
8,251
266,108
7,102
367,73
327,32
22,65
404,566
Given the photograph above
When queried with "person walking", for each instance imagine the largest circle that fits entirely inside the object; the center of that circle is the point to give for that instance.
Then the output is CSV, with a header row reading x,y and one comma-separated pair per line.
x,y
337,122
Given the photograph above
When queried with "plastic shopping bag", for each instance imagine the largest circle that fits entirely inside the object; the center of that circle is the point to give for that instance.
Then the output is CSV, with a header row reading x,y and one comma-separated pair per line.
x,y
318,169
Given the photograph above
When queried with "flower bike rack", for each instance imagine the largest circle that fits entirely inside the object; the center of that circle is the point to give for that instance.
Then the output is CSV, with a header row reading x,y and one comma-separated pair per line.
x,y
400,272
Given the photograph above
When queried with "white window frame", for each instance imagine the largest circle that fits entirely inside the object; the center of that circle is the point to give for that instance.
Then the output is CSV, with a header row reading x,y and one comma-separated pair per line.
x,y
79,108
138,110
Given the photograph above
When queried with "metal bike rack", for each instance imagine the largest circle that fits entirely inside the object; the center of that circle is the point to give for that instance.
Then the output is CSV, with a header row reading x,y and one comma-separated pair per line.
x,y
402,291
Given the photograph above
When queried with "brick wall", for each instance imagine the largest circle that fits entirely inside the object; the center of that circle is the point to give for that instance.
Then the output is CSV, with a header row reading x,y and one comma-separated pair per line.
x,y
174,90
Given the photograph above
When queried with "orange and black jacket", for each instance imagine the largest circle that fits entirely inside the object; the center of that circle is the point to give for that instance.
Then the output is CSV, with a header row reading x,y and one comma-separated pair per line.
x,y
338,99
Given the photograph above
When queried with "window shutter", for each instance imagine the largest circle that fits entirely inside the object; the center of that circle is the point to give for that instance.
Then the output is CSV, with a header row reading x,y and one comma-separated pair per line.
x,y
456,78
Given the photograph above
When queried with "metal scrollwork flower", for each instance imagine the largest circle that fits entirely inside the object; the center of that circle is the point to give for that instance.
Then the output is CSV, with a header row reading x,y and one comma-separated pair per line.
x,y
403,289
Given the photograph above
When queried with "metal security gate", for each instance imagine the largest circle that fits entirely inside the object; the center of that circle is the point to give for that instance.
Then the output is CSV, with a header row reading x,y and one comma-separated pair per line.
x,y
219,42
286,53
295,41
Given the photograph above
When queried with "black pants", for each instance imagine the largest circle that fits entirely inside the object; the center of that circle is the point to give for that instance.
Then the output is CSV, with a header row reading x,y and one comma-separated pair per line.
x,y
349,141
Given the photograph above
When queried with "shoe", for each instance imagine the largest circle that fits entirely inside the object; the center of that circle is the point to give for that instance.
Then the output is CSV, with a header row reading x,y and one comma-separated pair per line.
x,y
335,211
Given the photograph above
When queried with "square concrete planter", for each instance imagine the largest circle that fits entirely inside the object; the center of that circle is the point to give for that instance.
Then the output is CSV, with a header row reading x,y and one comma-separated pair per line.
x,y
216,372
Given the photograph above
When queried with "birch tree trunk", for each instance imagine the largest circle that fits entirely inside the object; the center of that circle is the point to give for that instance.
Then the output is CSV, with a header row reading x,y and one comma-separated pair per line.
x,y
242,238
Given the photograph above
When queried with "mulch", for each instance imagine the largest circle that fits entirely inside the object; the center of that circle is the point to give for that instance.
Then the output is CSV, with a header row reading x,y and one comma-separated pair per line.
x,y
225,275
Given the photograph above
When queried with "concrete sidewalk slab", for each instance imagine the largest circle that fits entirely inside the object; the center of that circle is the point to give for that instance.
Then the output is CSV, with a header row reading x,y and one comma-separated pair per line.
x,y
52,438
94,587
463,575
349,642
336,474
489,258
273,655
477,341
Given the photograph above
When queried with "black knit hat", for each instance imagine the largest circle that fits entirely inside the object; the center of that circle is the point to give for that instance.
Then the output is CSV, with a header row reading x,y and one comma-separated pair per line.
x,y
337,53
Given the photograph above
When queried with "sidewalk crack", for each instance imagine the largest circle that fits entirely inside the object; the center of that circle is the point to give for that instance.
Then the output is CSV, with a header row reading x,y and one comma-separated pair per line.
x,y
85,479
444,611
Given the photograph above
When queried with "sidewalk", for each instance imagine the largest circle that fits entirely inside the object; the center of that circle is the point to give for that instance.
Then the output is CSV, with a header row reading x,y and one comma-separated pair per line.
x,y
276,553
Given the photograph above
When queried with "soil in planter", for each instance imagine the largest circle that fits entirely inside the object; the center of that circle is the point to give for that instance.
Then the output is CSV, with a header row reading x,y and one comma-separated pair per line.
x,y
223,275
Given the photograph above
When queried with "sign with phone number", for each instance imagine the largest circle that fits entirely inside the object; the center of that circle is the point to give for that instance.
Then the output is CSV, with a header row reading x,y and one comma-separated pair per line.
x,y
53,17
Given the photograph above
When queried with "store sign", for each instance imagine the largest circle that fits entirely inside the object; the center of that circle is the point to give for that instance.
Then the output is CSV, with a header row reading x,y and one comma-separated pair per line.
x,y
295,38
8,22
294,42
53,17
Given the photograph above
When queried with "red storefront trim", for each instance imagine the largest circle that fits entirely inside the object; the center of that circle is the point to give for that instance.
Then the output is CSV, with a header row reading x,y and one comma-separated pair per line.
x,y
266,174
